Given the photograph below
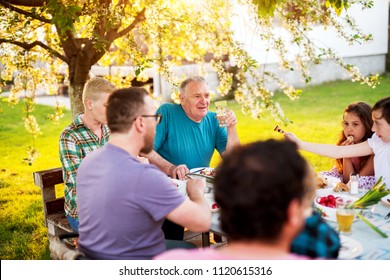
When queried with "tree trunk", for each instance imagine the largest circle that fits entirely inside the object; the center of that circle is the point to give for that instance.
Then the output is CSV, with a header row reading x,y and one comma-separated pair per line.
x,y
75,95
79,67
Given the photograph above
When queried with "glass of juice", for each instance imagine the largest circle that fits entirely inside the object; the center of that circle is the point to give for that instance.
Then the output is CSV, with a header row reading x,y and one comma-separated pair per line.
x,y
344,216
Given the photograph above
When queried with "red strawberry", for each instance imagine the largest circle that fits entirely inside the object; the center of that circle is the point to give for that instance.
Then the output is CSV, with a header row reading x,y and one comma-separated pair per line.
x,y
214,206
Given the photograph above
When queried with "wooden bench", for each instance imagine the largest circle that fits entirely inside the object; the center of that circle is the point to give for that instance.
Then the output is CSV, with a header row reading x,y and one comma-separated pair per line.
x,y
53,206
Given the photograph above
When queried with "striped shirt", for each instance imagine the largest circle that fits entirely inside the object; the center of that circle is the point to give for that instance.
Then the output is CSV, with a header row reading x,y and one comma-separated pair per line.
x,y
76,141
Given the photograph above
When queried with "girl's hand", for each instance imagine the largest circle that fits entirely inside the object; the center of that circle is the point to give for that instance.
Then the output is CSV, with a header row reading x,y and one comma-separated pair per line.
x,y
347,143
291,137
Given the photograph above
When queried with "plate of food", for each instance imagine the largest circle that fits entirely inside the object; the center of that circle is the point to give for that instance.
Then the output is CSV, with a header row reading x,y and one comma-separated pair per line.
x,y
386,200
326,205
326,184
205,172
350,248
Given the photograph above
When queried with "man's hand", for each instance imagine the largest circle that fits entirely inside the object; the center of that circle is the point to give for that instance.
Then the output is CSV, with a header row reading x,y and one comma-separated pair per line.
x,y
178,172
196,188
231,118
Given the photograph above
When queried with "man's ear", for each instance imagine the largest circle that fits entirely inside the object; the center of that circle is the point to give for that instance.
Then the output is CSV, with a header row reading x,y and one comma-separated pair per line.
x,y
88,104
139,124
181,97
294,213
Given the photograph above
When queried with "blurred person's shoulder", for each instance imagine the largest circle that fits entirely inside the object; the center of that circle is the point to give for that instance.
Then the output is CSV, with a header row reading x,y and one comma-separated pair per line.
x,y
191,254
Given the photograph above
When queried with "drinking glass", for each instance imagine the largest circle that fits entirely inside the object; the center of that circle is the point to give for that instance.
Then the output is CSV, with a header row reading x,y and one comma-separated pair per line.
x,y
344,216
221,109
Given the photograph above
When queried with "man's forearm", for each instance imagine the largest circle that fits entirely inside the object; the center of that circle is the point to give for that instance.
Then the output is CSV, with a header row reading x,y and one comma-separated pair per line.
x,y
232,139
164,165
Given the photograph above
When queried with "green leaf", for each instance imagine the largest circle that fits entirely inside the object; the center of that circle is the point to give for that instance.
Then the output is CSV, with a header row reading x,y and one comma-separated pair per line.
x,y
367,222
372,197
337,5
266,7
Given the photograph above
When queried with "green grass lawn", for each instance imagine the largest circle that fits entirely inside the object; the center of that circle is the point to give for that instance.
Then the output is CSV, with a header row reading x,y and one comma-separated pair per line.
x,y
316,117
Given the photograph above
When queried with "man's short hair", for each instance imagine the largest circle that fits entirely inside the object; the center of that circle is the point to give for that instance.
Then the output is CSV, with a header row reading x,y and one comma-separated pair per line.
x,y
123,106
254,186
198,79
94,87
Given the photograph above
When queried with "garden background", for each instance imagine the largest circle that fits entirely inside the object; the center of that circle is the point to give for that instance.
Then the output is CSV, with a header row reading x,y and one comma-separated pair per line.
x,y
316,116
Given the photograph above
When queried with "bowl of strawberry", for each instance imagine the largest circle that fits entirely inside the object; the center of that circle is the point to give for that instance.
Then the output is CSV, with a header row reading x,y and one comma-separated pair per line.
x,y
326,205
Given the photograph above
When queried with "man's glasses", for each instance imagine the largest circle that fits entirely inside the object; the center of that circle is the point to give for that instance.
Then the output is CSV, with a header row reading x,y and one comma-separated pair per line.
x,y
157,117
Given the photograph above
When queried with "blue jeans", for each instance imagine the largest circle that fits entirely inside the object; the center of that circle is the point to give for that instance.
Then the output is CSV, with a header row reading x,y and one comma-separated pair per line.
x,y
74,223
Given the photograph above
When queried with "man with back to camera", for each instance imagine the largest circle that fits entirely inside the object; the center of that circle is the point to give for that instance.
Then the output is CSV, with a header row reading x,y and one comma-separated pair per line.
x,y
122,202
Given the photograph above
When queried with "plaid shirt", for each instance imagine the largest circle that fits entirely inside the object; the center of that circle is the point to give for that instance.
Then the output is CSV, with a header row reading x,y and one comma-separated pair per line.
x,y
76,141
317,240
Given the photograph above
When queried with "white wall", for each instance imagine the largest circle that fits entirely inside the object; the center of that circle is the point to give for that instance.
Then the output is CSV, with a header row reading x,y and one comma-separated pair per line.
x,y
374,21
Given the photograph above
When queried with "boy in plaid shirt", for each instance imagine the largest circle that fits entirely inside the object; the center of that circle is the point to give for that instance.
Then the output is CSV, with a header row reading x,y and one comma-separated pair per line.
x,y
85,134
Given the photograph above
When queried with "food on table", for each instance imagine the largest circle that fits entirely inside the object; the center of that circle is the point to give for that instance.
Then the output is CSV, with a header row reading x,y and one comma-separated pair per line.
x,y
208,172
350,138
373,196
214,206
341,187
321,182
328,201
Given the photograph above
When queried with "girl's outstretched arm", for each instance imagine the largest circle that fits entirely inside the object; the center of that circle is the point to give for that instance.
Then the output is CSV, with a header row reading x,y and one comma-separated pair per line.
x,y
332,151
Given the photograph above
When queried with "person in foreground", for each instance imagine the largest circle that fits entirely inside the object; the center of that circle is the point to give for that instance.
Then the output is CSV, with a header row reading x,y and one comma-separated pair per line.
x,y
123,202
378,144
264,191
188,135
357,123
85,134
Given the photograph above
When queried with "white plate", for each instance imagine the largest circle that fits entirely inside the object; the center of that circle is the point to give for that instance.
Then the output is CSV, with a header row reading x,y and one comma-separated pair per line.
x,y
350,248
385,200
324,192
180,185
182,188
203,171
328,213
331,183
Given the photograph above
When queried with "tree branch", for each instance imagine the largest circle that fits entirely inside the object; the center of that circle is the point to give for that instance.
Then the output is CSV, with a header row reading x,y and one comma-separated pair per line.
x,y
7,4
112,34
140,17
29,46
28,3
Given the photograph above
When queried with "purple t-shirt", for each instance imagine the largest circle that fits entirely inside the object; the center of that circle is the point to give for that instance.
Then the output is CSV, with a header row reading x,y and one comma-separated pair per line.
x,y
122,204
